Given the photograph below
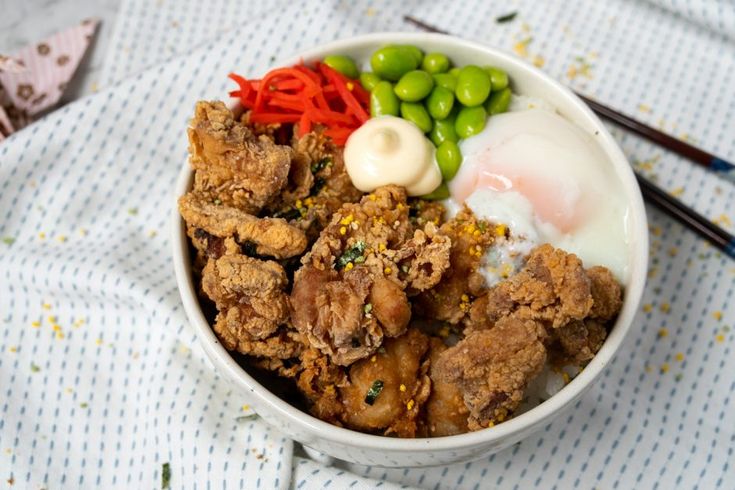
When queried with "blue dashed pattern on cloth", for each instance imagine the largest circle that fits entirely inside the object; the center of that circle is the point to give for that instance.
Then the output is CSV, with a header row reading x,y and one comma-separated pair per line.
x,y
102,379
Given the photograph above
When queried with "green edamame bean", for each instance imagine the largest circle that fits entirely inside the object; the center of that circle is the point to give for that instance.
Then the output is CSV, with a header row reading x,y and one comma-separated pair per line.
x,y
415,52
498,101
470,121
369,80
498,78
473,86
442,131
449,158
383,102
392,62
446,80
441,192
343,64
414,86
454,71
440,103
435,63
416,113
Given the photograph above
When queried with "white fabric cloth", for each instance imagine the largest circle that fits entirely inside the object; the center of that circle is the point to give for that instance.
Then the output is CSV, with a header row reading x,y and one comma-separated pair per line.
x,y
102,379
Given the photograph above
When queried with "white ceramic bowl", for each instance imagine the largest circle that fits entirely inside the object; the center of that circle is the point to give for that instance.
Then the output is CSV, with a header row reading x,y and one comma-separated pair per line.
x,y
367,449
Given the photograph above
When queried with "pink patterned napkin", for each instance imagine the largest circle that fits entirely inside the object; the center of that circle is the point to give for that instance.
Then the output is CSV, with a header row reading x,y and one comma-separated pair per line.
x,y
35,78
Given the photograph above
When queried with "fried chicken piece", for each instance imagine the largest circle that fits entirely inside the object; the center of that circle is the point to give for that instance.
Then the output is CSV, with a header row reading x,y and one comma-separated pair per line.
x,y
445,411
249,294
607,296
449,299
426,256
577,342
271,236
552,288
402,368
493,367
423,212
231,164
319,382
318,184
349,293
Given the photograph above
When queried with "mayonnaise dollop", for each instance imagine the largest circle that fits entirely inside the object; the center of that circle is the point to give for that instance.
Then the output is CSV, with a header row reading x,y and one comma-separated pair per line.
x,y
390,150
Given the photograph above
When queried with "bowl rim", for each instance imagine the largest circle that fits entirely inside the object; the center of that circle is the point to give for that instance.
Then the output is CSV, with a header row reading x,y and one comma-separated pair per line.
x,y
544,411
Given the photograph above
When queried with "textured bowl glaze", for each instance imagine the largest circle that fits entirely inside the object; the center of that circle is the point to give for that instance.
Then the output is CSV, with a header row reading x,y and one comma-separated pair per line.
x,y
368,449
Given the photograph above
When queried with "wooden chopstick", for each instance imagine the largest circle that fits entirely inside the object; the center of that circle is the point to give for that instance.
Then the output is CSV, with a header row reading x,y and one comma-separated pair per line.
x,y
651,192
718,165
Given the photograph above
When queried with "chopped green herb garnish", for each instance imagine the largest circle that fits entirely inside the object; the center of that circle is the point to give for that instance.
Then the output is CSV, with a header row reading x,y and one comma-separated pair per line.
x,y
249,248
482,226
245,418
351,255
8,240
319,183
289,214
381,350
217,201
506,18
367,308
321,164
165,476
35,368
374,391
360,259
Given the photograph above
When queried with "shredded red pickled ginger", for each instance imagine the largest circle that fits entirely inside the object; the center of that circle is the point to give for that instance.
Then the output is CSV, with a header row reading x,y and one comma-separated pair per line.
x,y
307,96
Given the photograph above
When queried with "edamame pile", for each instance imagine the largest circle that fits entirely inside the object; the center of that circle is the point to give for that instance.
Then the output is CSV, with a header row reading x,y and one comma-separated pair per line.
x,y
447,103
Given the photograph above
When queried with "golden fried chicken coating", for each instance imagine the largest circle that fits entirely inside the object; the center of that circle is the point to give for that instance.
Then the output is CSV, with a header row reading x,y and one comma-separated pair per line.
x,y
233,166
318,184
449,299
423,212
249,294
319,382
386,392
552,287
493,367
445,411
607,297
349,292
577,342
272,237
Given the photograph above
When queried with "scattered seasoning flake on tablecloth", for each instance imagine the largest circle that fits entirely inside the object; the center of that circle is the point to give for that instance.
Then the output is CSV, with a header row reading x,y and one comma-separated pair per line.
x,y
84,405
35,368
61,238
35,324
644,108
13,348
665,368
717,315
663,332
677,192
678,377
133,211
165,476
679,356
720,338
8,240
665,307
647,308
506,18
42,236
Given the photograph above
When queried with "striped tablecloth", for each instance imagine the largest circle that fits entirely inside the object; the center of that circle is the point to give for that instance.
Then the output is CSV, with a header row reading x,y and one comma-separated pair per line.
x,y
102,382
